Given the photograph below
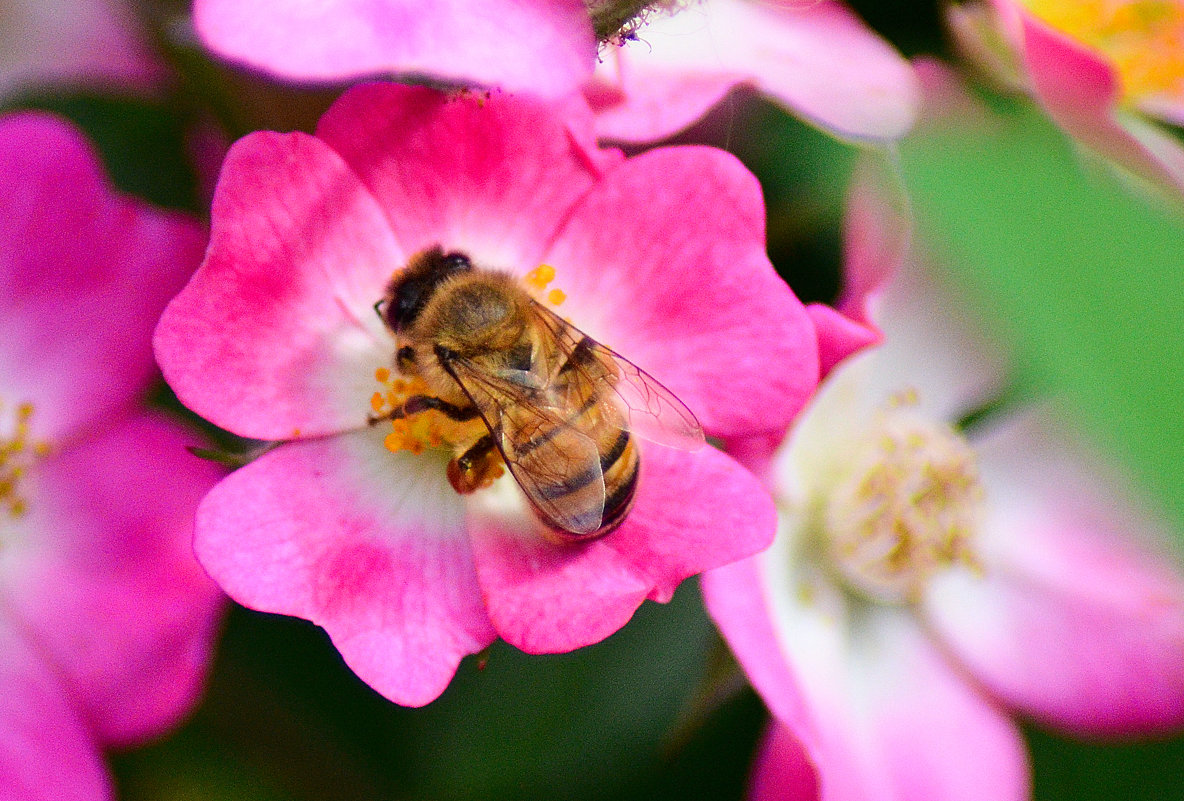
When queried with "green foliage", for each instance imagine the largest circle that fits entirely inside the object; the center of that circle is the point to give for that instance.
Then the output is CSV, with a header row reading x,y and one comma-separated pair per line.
x,y
1080,275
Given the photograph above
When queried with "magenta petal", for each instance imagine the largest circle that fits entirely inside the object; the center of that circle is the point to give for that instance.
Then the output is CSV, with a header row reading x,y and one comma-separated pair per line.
x,y
46,753
740,601
839,336
782,769
1080,91
693,512
1076,620
102,574
542,46
678,283
494,177
878,709
366,543
84,276
275,337
682,64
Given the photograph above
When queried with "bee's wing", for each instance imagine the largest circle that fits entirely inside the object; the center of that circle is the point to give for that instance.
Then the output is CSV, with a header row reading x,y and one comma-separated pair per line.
x,y
556,465
652,412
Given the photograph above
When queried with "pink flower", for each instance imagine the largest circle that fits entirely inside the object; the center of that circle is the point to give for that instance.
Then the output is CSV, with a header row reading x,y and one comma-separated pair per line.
x,y
1106,72
541,46
89,44
106,619
673,69
926,585
661,257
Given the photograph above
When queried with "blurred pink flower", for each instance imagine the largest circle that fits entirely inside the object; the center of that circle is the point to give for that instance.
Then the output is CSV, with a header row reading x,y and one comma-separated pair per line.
x,y
661,257
927,586
106,619
541,46
74,44
1106,71
816,58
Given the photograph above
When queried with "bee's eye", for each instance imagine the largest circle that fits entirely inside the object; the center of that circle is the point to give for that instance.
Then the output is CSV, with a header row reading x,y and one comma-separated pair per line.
x,y
456,262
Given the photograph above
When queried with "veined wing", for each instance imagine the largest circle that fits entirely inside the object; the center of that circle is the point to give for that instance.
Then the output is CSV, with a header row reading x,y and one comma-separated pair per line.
x,y
587,368
555,464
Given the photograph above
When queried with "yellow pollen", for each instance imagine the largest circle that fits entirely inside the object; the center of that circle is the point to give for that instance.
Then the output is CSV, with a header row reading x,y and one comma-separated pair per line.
x,y
905,508
418,432
1143,39
540,276
18,453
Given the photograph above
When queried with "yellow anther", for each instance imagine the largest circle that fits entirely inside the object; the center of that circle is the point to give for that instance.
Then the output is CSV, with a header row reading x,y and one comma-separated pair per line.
x,y
382,375
377,402
556,296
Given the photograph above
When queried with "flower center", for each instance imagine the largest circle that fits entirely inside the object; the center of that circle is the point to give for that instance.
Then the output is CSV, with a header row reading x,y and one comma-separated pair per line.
x,y
430,428
1144,39
905,506
18,453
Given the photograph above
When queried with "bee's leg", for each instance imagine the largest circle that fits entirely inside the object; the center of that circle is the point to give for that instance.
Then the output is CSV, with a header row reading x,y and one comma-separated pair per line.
x,y
475,468
405,359
421,403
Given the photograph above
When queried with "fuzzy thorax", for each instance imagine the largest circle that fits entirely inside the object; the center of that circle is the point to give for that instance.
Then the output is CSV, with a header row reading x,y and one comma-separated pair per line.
x,y
428,429
905,506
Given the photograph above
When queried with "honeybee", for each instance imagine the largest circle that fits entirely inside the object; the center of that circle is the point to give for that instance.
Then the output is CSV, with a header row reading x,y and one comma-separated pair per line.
x,y
559,408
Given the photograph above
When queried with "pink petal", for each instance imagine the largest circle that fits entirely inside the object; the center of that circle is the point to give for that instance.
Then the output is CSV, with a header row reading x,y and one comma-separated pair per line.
x,y
783,769
103,576
681,65
494,177
879,711
693,511
275,337
46,753
876,234
368,544
84,276
95,44
542,46
839,336
1078,618
678,282
1080,90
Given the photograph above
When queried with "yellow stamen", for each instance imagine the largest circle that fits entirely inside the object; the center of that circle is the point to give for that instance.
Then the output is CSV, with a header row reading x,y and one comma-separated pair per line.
x,y
18,453
905,507
425,429
556,296
1143,39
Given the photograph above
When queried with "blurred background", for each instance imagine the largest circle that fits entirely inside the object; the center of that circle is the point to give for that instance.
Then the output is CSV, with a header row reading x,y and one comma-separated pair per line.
x,y
1080,277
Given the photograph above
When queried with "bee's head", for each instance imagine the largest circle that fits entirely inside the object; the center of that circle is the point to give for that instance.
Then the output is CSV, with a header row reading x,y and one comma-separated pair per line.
x,y
410,290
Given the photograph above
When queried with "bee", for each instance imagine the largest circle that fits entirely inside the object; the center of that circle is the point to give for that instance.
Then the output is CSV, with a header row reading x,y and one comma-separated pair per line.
x,y
560,409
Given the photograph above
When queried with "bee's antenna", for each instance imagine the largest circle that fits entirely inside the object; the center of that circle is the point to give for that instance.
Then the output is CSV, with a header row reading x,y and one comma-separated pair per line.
x,y
378,309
